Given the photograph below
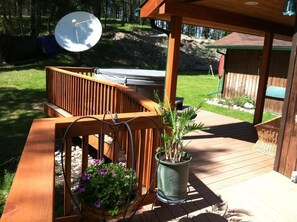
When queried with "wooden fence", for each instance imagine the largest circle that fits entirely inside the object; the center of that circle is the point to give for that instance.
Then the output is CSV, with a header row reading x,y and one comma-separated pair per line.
x,y
242,75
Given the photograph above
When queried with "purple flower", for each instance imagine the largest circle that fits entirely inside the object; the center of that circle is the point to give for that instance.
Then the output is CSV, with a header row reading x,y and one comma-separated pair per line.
x,y
81,189
96,162
86,176
97,204
102,171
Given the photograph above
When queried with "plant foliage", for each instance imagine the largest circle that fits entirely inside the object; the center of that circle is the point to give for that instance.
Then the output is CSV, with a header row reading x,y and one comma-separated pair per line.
x,y
175,127
107,186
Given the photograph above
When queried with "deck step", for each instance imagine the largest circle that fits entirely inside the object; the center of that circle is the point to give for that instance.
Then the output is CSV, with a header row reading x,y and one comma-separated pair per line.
x,y
55,111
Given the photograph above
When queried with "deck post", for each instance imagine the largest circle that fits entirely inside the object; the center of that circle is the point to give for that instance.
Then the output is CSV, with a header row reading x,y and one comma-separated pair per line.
x,y
173,59
286,153
263,78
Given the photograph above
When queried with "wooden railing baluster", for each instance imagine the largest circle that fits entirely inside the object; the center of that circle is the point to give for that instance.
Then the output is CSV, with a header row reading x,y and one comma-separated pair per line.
x,y
67,160
85,152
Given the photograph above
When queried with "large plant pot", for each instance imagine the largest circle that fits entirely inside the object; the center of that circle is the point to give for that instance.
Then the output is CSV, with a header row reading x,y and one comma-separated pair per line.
x,y
172,179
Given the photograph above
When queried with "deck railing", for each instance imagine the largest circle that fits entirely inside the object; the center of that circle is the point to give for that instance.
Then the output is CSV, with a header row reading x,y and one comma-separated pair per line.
x,y
79,94
31,197
145,133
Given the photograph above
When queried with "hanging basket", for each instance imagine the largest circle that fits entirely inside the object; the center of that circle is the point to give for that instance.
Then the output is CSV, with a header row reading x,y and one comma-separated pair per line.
x,y
93,214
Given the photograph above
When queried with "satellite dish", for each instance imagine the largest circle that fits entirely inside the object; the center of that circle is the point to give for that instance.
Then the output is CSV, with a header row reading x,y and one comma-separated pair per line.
x,y
78,31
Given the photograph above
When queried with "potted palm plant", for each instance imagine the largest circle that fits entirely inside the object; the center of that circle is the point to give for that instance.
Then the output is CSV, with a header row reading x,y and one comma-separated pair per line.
x,y
173,160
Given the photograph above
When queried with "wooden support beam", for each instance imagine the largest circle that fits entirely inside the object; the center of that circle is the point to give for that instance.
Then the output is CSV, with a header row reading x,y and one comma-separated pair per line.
x,y
286,154
149,7
263,79
173,59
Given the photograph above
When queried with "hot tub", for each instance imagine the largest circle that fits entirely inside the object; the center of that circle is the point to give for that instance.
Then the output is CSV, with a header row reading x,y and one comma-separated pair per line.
x,y
142,81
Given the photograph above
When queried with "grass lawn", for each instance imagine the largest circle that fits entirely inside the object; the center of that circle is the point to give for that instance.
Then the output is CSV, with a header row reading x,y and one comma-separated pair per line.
x,y
21,95
196,87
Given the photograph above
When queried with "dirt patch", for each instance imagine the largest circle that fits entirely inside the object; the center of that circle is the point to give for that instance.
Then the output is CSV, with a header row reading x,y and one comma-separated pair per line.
x,y
148,49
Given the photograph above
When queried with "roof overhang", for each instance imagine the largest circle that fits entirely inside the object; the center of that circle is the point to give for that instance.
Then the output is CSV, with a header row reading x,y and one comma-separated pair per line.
x,y
232,15
245,41
248,47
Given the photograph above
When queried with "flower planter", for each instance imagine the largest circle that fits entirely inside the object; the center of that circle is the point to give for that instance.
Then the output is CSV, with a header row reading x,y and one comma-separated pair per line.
x,y
93,214
105,189
172,179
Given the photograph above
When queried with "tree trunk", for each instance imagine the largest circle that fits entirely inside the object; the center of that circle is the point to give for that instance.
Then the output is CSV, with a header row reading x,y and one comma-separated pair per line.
x,y
35,18
4,16
20,15
123,13
132,11
98,10
38,18
105,14
50,18
206,33
33,31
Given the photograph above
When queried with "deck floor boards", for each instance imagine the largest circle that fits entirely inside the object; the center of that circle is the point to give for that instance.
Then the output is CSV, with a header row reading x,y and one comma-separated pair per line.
x,y
225,167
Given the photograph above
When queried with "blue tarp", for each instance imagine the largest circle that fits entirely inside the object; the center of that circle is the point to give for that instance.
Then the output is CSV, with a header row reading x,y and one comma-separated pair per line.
x,y
49,45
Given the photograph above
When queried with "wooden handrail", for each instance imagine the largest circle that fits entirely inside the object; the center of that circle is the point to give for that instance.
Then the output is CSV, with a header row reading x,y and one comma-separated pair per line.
x,y
88,71
31,197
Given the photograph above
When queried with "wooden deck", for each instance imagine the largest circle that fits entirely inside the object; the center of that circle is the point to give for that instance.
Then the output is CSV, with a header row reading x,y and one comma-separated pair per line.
x,y
228,179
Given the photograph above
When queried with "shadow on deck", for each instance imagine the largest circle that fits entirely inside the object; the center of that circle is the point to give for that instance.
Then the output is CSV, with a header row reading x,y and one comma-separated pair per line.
x,y
223,157
239,131
199,197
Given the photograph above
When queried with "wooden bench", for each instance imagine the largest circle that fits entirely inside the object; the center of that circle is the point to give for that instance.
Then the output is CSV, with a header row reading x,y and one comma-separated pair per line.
x,y
55,111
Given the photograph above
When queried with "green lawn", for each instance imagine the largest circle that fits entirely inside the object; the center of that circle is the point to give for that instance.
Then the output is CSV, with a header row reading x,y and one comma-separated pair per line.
x,y
195,89
21,95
